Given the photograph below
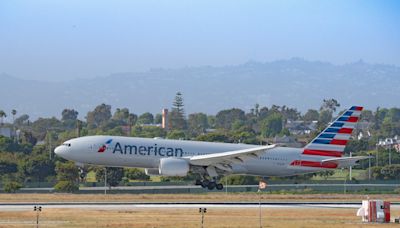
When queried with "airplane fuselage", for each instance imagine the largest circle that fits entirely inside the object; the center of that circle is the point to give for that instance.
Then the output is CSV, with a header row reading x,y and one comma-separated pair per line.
x,y
117,151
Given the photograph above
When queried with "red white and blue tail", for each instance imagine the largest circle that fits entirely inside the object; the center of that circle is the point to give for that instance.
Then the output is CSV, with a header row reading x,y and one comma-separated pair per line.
x,y
332,141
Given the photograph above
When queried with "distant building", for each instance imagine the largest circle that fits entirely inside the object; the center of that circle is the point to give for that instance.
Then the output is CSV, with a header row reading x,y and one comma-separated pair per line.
x,y
40,143
7,132
363,130
150,125
288,141
300,127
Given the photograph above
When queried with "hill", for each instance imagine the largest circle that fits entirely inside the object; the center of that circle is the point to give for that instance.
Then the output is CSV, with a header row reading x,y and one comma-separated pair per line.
x,y
296,83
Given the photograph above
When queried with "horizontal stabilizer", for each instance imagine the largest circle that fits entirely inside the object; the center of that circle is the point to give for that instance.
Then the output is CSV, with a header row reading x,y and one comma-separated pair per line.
x,y
344,161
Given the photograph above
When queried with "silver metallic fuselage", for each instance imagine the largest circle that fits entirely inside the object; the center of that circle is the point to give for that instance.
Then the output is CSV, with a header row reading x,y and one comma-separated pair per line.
x,y
146,153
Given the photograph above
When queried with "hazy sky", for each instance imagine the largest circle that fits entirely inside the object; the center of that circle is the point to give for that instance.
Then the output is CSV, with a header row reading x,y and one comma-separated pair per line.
x,y
61,40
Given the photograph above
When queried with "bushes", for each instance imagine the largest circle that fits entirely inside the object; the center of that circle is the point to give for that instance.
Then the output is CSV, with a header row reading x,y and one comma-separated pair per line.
x,y
240,180
66,186
388,172
11,186
67,177
136,174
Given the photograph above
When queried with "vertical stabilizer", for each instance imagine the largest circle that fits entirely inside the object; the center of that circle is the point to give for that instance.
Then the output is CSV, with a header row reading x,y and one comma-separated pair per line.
x,y
333,140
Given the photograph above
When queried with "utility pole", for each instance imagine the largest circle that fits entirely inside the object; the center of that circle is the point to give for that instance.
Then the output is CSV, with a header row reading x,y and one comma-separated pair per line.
x,y
350,169
50,151
369,167
105,180
226,186
376,156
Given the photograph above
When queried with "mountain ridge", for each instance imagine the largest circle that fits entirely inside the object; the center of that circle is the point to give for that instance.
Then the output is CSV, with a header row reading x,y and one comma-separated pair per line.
x,y
295,83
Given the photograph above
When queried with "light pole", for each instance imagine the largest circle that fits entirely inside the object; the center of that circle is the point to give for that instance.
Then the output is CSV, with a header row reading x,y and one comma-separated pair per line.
x,y
105,180
377,152
389,142
50,151
369,167
350,169
226,186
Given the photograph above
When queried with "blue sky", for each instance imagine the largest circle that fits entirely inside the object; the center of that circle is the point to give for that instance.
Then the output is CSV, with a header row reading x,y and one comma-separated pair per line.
x,y
63,40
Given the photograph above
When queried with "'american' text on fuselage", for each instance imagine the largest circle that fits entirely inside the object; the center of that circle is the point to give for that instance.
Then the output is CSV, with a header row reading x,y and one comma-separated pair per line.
x,y
148,150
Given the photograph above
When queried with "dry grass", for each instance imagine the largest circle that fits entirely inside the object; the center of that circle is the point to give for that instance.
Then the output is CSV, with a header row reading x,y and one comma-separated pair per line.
x,y
209,197
170,217
188,217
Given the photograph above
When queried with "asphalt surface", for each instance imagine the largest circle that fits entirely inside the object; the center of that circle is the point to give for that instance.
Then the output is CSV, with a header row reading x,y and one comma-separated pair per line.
x,y
163,187
130,206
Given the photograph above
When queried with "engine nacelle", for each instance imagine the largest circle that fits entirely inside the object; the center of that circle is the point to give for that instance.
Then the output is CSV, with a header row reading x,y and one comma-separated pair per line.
x,y
175,167
152,172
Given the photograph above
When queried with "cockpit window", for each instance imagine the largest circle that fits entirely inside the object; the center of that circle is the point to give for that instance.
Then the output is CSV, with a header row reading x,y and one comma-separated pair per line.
x,y
66,144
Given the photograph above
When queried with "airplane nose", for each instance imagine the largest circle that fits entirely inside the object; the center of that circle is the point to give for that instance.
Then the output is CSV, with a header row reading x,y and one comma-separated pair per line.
x,y
60,150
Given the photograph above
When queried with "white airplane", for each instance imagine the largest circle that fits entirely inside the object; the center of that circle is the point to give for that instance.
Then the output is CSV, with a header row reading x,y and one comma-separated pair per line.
x,y
211,160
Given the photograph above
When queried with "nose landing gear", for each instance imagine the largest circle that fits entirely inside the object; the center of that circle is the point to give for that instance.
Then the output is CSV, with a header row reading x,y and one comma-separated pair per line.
x,y
82,173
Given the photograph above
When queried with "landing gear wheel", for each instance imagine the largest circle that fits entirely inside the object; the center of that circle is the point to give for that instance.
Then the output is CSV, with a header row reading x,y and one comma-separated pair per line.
x,y
82,173
219,187
205,183
211,185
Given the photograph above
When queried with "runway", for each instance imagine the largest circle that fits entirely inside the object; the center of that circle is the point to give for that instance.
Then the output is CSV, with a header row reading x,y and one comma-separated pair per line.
x,y
132,206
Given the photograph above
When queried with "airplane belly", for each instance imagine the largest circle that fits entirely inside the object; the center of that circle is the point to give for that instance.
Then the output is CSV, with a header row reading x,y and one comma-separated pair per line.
x,y
266,168
137,161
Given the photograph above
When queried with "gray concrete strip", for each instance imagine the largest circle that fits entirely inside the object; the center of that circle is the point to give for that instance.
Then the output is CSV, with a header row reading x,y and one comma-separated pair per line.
x,y
163,187
110,206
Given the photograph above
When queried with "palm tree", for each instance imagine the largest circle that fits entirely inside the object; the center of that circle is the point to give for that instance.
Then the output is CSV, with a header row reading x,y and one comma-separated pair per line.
x,y
14,112
2,115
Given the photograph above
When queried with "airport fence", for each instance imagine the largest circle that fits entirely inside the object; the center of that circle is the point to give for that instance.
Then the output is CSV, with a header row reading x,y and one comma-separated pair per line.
x,y
281,187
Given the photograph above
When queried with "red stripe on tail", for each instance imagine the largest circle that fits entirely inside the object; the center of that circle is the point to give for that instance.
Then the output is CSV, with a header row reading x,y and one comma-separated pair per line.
x,y
352,119
323,153
345,131
338,142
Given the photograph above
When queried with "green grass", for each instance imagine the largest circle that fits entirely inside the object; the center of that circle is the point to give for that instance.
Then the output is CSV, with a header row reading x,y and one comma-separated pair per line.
x,y
344,174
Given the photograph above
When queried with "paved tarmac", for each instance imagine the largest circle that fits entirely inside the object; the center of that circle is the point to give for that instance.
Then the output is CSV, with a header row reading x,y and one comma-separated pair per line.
x,y
131,206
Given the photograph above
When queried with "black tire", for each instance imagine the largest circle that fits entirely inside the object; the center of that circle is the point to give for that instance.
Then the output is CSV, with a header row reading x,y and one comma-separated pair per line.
x,y
220,186
198,182
205,183
211,185
82,175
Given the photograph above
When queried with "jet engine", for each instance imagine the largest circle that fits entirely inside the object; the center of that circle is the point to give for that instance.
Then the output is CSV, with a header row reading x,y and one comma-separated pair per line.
x,y
152,172
173,167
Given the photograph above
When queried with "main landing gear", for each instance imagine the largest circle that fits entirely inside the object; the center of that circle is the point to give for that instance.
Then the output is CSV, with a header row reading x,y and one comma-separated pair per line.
x,y
210,184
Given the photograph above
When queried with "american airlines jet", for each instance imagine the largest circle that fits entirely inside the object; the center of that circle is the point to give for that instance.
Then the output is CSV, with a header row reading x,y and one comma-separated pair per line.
x,y
211,160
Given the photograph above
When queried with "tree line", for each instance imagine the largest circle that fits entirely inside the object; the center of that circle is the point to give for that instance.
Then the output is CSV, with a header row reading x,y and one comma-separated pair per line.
x,y
29,157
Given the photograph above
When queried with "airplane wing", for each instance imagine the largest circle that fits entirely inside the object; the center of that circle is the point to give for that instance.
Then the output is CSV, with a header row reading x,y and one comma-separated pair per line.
x,y
229,157
345,161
